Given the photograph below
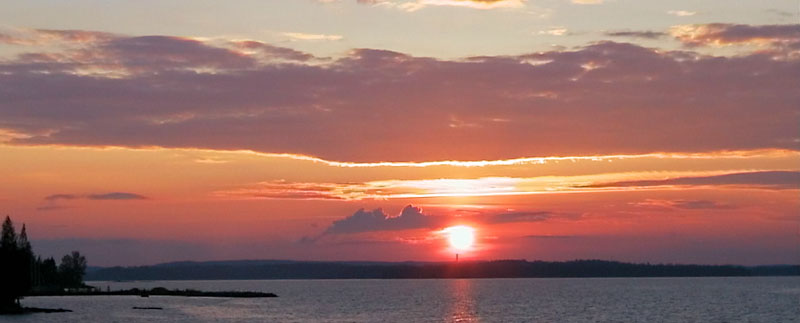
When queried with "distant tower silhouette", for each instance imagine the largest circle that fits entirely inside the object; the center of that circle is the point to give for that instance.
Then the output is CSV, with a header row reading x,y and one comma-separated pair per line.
x,y
456,257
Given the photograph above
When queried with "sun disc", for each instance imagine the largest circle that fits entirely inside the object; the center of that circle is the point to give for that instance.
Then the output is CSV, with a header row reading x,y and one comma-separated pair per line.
x,y
461,237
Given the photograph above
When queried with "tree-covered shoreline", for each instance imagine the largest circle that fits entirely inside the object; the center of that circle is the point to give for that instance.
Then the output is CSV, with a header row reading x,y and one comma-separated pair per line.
x,y
23,272
288,269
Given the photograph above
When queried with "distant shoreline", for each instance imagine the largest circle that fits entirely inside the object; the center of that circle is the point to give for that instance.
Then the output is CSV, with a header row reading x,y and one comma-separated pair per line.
x,y
284,269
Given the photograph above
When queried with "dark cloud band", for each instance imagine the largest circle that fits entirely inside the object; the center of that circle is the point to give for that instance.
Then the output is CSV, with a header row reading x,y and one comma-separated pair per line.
x,y
603,98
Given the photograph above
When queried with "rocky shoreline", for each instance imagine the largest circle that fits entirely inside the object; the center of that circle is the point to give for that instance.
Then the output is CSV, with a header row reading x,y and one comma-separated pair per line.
x,y
16,310
157,291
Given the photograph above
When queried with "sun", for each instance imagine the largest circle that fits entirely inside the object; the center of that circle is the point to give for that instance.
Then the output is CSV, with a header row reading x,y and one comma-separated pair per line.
x,y
461,237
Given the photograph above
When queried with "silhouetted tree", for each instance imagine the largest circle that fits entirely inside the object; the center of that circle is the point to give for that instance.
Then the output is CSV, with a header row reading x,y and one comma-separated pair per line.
x,y
72,269
9,238
16,260
27,261
49,272
21,270
8,245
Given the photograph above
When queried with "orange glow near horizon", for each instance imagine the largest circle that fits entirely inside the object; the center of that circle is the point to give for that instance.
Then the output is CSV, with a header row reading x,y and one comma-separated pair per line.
x,y
276,201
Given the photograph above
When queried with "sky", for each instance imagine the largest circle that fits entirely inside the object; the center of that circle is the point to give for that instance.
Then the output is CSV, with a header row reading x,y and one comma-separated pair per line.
x,y
141,132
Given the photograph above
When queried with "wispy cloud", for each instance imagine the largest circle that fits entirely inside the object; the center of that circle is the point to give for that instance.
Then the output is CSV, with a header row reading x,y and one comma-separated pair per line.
x,y
637,34
781,13
51,207
513,217
766,179
99,196
56,197
503,186
49,36
782,37
270,52
681,13
683,204
587,1
210,161
554,31
376,189
307,36
116,196
414,5
52,201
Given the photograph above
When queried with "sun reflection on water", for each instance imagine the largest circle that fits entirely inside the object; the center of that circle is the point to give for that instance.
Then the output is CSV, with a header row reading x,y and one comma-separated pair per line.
x,y
463,301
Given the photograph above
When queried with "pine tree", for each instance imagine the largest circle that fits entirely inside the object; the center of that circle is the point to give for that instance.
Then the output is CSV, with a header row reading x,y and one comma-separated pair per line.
x,y
16,261
26,262
10,266
9,236
22,241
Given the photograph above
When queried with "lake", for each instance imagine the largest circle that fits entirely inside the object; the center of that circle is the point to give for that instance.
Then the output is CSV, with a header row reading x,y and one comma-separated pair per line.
x,y
737,299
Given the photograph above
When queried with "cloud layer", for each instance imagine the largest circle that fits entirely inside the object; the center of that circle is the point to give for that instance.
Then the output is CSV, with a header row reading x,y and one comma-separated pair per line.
x,y
607,97
500,186
770,179
719,34
52,202
100,196
412,217
376,220
414,5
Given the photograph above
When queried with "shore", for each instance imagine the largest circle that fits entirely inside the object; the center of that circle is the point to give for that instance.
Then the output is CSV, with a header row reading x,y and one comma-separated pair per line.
x,y
157,291
17,310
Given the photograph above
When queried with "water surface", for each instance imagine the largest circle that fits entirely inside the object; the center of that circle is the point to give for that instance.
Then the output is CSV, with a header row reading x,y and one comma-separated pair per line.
x,y
739,299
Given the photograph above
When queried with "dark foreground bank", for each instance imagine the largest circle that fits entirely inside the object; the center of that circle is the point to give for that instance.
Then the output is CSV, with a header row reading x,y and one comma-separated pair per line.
x,y
16,310
281,269
157,291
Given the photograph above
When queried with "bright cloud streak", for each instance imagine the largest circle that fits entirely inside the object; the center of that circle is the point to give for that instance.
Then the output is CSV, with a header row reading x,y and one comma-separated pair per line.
x,y
681,13
500,186
540,160
306,36
415,5
742,154
587,1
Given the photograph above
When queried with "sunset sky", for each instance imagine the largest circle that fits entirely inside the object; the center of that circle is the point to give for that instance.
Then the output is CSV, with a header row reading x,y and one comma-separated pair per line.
x,y
141,132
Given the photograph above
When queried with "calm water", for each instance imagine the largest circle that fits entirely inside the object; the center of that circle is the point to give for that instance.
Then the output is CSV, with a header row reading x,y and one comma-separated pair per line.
x,y
759,299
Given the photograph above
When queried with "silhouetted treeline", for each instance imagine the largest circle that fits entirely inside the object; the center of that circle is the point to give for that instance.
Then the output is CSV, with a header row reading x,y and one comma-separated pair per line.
x,y
16,261
345,270
776,270
21,270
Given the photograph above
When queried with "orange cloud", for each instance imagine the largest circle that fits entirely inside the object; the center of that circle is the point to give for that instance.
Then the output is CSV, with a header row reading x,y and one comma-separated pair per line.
x,y
505,186
682,204
719,34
